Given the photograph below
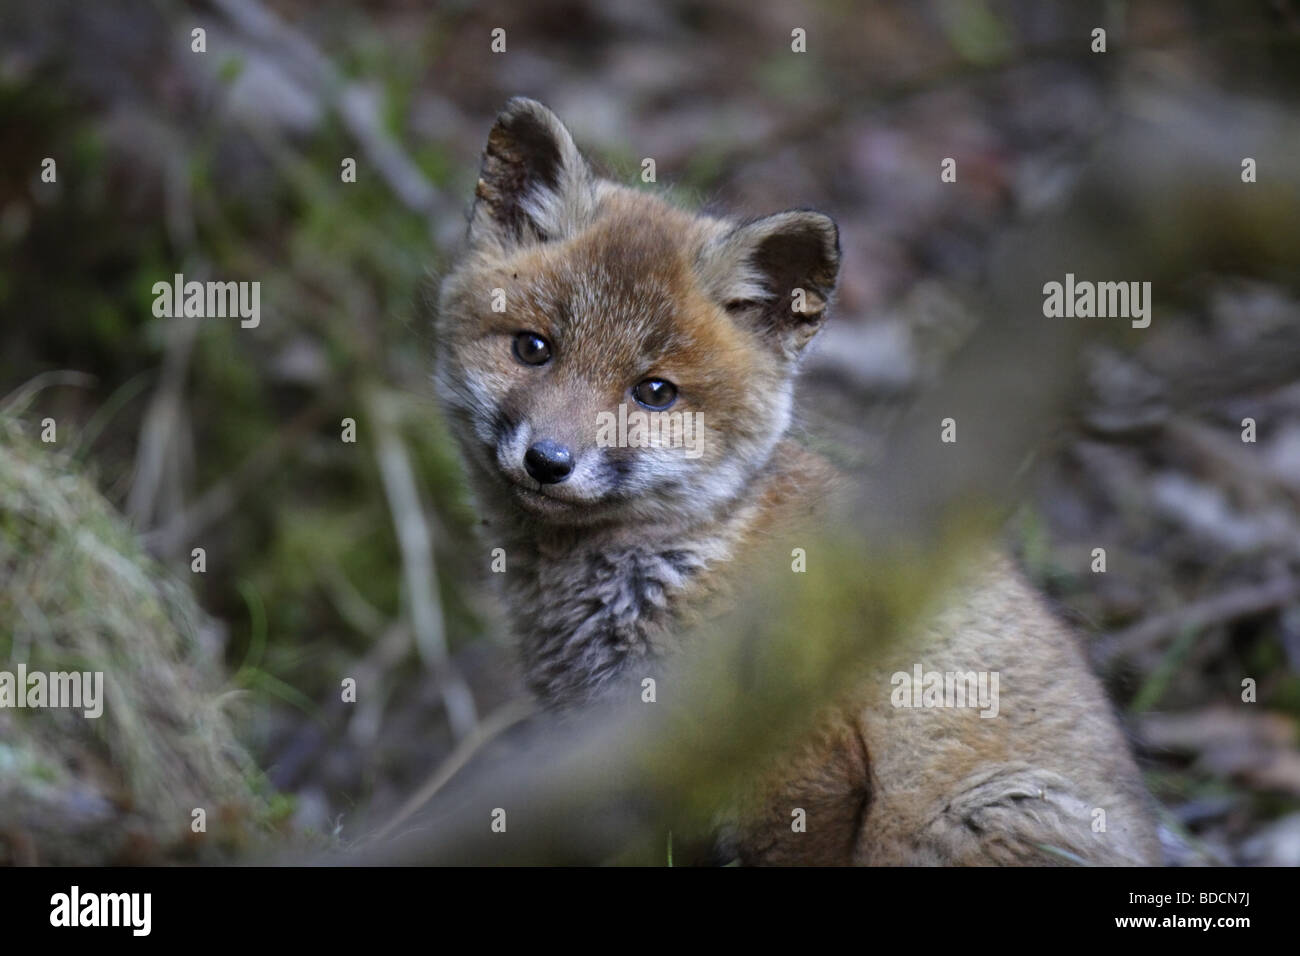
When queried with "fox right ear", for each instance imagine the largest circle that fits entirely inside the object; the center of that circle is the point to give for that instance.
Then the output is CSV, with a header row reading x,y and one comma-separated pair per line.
x,y
534,185
776,274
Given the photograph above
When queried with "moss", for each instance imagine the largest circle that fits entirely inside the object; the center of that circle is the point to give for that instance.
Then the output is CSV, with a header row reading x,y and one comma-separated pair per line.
x,y
77,592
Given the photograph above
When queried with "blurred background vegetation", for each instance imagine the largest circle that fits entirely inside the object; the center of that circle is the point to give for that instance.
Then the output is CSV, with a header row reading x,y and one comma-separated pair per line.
x,y
226,165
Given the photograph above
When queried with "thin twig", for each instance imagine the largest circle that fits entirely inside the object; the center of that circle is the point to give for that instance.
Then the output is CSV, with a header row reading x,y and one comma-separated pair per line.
x,y
1217,609
157,432
357,106
418,568
491,727
17,400
222,496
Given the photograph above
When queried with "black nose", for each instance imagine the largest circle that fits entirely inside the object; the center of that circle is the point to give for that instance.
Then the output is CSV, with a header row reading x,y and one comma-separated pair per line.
x,y
548,462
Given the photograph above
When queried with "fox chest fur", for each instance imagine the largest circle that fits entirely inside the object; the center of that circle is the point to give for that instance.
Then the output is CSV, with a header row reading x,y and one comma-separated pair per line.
x,y
581,305
592,603
591,609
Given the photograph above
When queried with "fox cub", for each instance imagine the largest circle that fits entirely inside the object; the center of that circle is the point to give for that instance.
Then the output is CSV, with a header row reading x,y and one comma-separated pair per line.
x,y
619,375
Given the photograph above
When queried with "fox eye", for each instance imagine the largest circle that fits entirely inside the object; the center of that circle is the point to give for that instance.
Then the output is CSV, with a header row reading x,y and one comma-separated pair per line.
x,y
655,393
531,349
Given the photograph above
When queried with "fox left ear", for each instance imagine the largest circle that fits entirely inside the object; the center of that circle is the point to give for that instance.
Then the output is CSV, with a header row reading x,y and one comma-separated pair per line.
x,y
534,185
777,274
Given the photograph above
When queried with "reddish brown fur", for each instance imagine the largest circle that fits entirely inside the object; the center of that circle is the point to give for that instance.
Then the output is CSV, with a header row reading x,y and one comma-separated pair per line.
x,y
605,567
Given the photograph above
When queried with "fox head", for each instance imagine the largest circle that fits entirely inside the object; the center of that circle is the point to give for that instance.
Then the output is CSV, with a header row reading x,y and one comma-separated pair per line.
x,y
606,357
